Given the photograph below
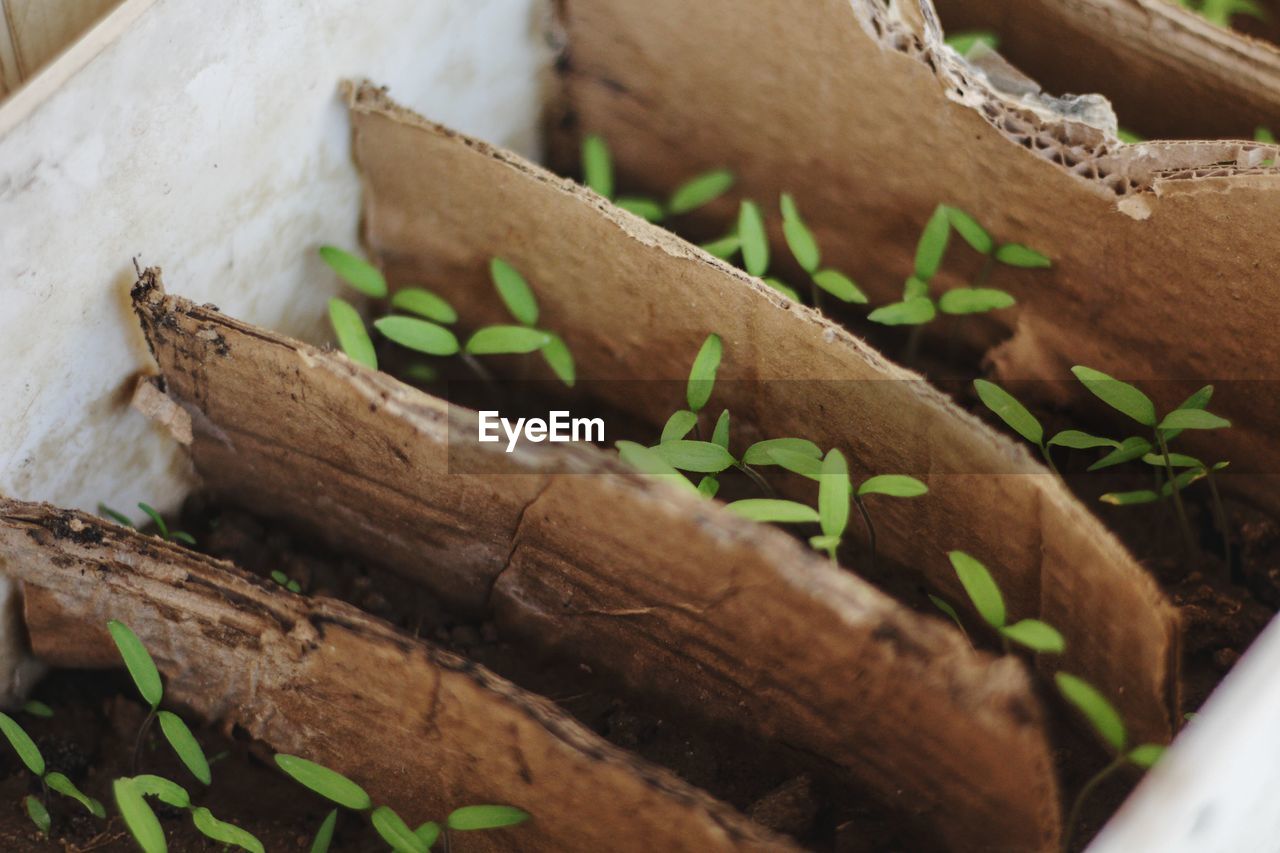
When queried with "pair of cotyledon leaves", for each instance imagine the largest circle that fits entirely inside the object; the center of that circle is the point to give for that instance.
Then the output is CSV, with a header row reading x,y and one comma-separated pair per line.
x,y
1105,719
131,795
598,174
31,757
984,593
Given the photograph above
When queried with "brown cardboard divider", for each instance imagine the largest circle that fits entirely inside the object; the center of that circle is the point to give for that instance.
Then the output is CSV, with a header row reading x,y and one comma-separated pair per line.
x,y
726,619
634,301
421,729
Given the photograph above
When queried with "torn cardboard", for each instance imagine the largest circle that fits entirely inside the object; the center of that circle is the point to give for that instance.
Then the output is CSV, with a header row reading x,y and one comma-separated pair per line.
x,y
421,729
724,618
633,301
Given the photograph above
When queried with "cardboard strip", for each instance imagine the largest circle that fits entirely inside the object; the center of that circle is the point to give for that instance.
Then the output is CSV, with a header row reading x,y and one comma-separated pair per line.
x,y
423,730
724,618
635,302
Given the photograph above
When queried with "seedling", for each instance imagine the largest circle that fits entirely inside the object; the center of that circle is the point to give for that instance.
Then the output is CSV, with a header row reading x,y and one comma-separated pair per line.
x,y
985,595
1107,722
130,795
524,338
701,190
142,669
285,581
347,323
804,248
37,808
1220,12
165,533
965,42
1264,134
1016,416
37,709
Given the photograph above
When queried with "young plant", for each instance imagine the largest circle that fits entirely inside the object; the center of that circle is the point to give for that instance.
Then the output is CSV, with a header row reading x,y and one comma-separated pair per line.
x,y
1107,722
804,248
37,808
347,323
1016,416
964,43
701,190
1220,12
165,533
526,337
130,795
285,581
987,599
142,669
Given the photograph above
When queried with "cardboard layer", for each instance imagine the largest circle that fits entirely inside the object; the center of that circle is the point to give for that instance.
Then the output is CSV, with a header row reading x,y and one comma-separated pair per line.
x,y
724,618
423,730
635,302
1163,252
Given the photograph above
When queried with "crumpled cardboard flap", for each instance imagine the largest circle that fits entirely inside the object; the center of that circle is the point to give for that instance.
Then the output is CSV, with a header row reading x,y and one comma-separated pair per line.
x,y
728,619
634,302
422,729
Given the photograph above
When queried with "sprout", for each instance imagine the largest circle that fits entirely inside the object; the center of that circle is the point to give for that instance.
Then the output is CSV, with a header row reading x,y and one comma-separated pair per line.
x,y
165,533
29,754
285,581
141,821
698,191
1220,12
359,273
987,599
804,248
965,42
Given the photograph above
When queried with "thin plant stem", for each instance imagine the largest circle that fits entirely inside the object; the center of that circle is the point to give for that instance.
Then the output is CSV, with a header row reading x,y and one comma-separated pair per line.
x,y
761,483
1177,495
913,344
817,293
142,735
1221,512
477,368
1074,817
1048,458
871,530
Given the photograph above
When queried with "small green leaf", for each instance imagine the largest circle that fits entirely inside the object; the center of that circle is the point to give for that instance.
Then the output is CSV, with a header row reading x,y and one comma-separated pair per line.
x,y
782,287
138,662
22,744
486,817
775,511
680,424
223,832
1007,408
183,537
325,782
419,335
724,248
1035,635
755,242
186,746
1077,440
1120,396
1264,135
804,248
279,577
1015,255
139,819
646,208
395,831
556,354
506,340
1184,479
801,463
1141,496
597,165
37,709
425,304
702,375
708,487
156,518
1174,460
1199,400
167,792
1127,136
720,435
1193,419
647,461
824,543
933,244
353,337
969,230
701,457
59,783
893,485
293,586
359,273
1100,713
945,606
914,288
974,300
761,452
834,489
981,588
118,517
324,835
1146,755
700,190
1131,448
840,286
38,813
428,833
913,312
964,42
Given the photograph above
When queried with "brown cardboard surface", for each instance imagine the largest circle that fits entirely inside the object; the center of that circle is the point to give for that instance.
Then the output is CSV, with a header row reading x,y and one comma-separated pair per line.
x,y
725,618
422,729
633,301
1163,252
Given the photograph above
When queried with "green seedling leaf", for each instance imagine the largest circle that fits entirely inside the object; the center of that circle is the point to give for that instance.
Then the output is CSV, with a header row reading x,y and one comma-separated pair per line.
x,y
932,244
1174,460
1141,496
945,606
708,487
38,813
1264,134
1184,479
139,663
647,461
702,376
1193,419
118,517
139,819
1199,400
324,835
395,831
1131,448
37,709
597,165
963,43
421,373
1100,713
914,288
700,190
1035,635
420,335
22,744
156,518
801,462
559,359
167,792
755,242
325,782
1016,255
912,312
61,784
700,457
1120,396
359,273
969,230
428,833
974,300
279,577
834,489
893,485
293,586
980,587
1077,440
486,817
1146,755
425,304
184,743
223,832
840,286
724,248
824,543
680,424
353,337
183,537
782,287
720,435
775,511
1007,408
761,453
506,340
1128,136
646,208
804,248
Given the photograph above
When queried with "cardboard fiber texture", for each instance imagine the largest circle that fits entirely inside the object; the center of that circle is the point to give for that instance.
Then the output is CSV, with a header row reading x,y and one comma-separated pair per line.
x,y
724,618
1162,252
635,302
421,729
